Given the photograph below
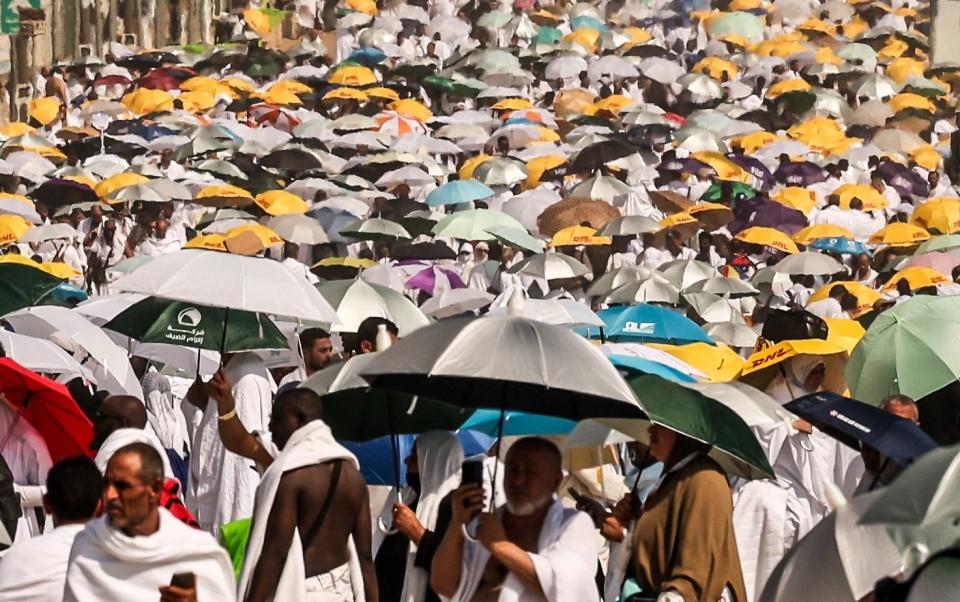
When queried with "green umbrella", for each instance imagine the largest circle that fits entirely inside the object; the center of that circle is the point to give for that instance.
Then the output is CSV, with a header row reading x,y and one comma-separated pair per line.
x,y
474,224
22,286
356,300
375,228
717,415
939,243
419,222
737,23
798,101
516,238
357,412
462,87
714,193
155,320
494,19
547,35
910,349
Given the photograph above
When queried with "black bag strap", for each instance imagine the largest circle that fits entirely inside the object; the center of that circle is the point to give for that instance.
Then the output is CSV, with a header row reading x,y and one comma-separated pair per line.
x,y
331,491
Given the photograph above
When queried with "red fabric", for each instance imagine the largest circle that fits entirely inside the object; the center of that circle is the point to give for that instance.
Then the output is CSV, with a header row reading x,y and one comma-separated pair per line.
x,y
170,499
49,408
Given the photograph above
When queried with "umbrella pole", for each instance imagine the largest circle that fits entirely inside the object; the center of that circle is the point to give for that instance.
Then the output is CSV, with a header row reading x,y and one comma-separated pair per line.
x,y
13,423
223,339
496,465
395,451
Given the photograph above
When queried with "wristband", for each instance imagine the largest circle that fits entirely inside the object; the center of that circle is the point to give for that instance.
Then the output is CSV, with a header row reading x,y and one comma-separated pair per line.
x,y
228,415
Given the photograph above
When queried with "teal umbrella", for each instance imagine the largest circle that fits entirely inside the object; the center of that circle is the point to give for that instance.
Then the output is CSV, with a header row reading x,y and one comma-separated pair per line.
x,y
155,320
23,286
458,192
517,424
737,23
547,35
587,22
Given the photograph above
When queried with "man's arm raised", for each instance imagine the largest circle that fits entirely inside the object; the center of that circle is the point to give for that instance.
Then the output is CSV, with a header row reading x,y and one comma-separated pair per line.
x,y
233,434
447,565
281,527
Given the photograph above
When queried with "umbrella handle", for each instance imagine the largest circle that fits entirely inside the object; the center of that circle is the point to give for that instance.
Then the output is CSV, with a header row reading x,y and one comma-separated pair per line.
x,y
467,535
384,528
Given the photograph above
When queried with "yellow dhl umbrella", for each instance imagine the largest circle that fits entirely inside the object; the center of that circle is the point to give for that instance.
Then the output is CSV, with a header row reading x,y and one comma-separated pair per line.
x,y
238,85
716,68
817,131
871,198
893,49
279,96
83,180
917,277
825,55
224,194
908,100
201,82
20,260
745,5
899,235
512,104
866,296
12,227
281,202
144,100
768,237
940,214
292,85
210,242
736,39
718,362
250,239
16,128
682,221
814,232
411,108
901,69
637,35
750,143
615,103
367,7
844,333
926,157
818,26
575,236
352,75
7,196
538,165
784,350
586,37
346,94
712,215
725,168
788,85
795,197
59,269
347,262
381,92
853,28
121,180
466,170
257,21
44,110
781,49
197,101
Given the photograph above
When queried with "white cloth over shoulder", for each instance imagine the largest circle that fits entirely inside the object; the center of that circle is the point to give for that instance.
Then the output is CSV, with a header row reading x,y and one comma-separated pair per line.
x,y
29,460
126,436
311,444
565,562
33,570
105,564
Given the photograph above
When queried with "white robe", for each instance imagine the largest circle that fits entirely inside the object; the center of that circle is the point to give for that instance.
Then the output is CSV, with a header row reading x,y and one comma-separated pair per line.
x,y
33,570
29,460
222,484
105,564
311,444
565,562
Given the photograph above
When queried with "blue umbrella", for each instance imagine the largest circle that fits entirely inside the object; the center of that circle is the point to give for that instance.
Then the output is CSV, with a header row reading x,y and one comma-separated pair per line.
x,y
521,121
334,221
650,323
645,366
474,442
369,56
376,458
840,245
587,22
517,423
68,293
457,192
547,35
853,422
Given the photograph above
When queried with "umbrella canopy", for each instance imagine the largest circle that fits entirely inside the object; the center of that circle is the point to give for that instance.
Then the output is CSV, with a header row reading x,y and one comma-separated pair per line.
x,y
575,212
356,411
49,408
518,371
24,286
298,229
550,266
474,224
356,300
457,192
651,290
645,322
807,263
453,302
230,281
516,424
375,228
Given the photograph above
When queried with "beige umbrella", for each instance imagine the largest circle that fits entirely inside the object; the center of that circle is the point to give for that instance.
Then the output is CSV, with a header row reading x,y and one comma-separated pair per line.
x,y
574,212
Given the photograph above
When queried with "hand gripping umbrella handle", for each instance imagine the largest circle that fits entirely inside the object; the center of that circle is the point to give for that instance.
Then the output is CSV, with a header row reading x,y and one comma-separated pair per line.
x,y
466,533
384,528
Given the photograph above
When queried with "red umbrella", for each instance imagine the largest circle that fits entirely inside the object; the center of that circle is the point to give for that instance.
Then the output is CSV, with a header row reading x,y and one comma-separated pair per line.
x,y
165,78
278,117
111,80
48,407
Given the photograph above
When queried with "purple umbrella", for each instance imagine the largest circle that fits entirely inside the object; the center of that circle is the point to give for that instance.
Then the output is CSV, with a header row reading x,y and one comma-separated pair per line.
x,y
755,168
761,211
685,166
799,173
904,180
434,278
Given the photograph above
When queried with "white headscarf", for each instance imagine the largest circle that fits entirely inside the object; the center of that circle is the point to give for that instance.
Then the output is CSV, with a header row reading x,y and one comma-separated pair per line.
x,y
789,384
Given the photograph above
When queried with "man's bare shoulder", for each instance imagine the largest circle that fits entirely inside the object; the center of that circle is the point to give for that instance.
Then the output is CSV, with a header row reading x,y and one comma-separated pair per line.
x,y
319,474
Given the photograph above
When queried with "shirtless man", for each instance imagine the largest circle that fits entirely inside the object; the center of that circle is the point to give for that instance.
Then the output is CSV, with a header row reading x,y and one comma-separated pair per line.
x,y
300,497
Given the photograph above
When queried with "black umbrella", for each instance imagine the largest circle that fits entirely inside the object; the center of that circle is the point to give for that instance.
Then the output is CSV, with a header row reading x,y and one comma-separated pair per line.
x,y
596,155
433,251
147,60
650,135
56,191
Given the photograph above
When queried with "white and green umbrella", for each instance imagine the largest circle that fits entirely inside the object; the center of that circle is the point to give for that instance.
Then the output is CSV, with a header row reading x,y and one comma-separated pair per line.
x,y
474,224
375,228
357,300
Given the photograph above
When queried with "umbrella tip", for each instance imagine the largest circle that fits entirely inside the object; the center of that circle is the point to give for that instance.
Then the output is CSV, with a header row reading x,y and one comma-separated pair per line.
x,y
383,340
515,304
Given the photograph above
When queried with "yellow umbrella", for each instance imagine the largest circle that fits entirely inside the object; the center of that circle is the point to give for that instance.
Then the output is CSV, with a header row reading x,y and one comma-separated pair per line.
x,y
788,85
679,220
12,227
926,157
197,101
512,104
716,68
250,239
750,143
201,82
45,110
381,92
121,180
893,49
257,21
280,202
210,242
745,5
637,36
347,262
908,100
223,192
901,69
16,128
466,170
538,165
870,197
817,130
238,85
615,103
818,26
279,96
736,39
144,100
293,86
83,180
784,350
7,196
825,55
844,333
768,237
346,94
412,108
816,231
586,37
865,295
19,259
917,277
574,236
899,235
367,7
547,135
59,269
725,168
352,75
781,49
940,214
718,362
795,197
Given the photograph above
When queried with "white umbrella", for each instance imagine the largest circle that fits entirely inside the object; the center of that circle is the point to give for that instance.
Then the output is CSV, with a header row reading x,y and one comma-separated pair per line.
x,y
732,333
565,66
604,188
613,66
409,175
42,356
720,285
684,273
298,229
50,232
550,266
559,312
357,300
230,281
808,263
652,354
527,206
453,302
712,308
11,206
108,362
630,225
500,171
652,290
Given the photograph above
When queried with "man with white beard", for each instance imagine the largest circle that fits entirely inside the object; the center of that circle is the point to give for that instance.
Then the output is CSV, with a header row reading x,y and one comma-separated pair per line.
x,y
532,549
